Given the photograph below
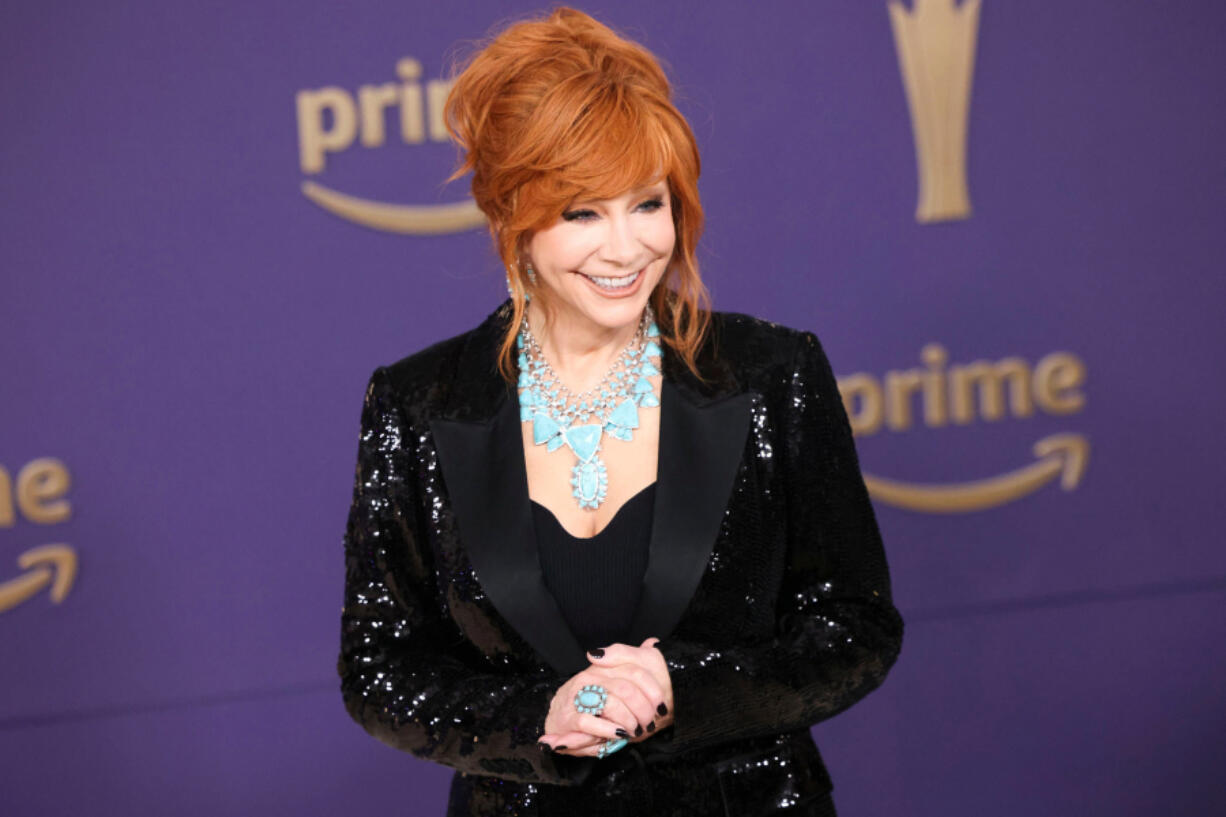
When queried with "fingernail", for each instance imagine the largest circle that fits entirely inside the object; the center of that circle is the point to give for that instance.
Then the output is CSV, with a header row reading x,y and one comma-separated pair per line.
x,y
651,727
662,709
559,749
638,730
598,652
656,645
545,747
622,733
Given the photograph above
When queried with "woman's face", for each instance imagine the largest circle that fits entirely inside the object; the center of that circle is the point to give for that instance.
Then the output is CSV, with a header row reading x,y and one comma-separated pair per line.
x,y
626,241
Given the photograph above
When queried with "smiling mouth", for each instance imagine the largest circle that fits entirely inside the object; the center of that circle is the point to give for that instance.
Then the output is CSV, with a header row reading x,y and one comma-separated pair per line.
x,y
614,283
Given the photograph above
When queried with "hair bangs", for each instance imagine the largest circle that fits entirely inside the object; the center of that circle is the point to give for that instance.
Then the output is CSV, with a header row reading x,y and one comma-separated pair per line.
x,y
616,149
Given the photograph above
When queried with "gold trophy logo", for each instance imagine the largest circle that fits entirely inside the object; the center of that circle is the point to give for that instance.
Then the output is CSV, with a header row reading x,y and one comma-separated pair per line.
x,y
936,55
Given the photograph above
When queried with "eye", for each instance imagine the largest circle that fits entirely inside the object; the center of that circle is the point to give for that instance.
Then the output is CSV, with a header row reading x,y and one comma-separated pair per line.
x,y
650,206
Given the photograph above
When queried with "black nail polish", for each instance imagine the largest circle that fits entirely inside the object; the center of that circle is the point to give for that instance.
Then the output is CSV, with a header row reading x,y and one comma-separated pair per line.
x,y
662,709
545,747
598,652
651,727
622,733
560,748
656,645
638,730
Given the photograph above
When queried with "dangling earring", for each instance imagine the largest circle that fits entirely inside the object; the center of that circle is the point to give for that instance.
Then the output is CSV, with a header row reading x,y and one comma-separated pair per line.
x,y
511,290
531,279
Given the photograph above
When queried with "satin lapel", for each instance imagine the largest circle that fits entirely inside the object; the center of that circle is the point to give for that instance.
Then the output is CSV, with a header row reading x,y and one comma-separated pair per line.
x,y
701,447
483,466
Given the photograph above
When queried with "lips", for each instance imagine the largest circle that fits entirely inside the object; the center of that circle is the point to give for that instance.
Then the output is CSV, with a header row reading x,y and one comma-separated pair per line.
x,y
627,280
618,292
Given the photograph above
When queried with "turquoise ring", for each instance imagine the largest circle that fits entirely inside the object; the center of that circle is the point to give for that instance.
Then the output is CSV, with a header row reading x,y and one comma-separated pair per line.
x,y
591,699
610,746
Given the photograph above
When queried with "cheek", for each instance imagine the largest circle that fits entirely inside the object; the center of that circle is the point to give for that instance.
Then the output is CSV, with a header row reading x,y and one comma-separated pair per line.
x,y
663,238
564,253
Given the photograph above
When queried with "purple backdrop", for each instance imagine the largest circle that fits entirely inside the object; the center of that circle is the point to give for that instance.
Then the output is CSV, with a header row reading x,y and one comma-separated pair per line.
x,y
188,336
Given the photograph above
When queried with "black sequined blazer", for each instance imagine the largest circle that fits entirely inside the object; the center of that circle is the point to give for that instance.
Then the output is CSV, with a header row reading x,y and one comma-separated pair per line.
x,y
767,583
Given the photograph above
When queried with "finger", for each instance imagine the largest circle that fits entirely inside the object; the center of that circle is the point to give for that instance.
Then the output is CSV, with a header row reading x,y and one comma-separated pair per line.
x,y
586,751
660,676
596,726
649,643
647,684
576,740
613,654
618,711
592,750
652,659
632,697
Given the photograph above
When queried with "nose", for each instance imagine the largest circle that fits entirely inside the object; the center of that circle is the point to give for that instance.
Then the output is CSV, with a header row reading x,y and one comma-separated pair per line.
x,y
621,244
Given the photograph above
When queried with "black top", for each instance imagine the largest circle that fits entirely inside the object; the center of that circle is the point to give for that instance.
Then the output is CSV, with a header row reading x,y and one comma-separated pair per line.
x,y
597,580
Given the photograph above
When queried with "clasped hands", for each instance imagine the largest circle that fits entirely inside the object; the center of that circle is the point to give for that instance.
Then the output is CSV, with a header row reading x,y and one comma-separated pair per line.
x,y
639,702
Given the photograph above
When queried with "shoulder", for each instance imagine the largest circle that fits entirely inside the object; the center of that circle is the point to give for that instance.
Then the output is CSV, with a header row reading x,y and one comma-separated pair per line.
x,y
745,328
413,376
756,348
427,364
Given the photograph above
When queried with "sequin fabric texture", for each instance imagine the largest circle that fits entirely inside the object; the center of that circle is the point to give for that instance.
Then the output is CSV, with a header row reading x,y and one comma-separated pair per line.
x,y
791,622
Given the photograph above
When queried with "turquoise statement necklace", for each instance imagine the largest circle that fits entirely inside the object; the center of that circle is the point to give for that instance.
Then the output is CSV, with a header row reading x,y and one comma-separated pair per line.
x,y
560,417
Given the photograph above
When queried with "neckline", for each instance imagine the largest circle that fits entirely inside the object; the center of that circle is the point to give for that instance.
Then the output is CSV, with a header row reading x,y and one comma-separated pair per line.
x,y
648,488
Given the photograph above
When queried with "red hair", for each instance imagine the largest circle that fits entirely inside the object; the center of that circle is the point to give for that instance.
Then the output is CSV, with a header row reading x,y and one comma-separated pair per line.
x,y
561,107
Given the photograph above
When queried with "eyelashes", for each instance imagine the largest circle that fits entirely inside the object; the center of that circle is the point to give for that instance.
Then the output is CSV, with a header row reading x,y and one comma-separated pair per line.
x,y
652,205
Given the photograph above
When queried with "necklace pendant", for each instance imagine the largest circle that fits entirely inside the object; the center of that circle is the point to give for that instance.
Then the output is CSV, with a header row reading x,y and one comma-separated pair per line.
x,y
590,481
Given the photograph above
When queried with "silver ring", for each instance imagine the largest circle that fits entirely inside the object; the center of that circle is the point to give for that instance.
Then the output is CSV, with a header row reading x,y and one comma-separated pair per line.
x,y
591,699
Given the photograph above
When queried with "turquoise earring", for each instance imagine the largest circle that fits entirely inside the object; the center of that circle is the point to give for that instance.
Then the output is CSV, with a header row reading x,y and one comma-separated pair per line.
x,y
531,273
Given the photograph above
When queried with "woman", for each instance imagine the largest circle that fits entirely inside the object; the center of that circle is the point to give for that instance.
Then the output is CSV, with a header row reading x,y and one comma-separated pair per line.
x,y
609,552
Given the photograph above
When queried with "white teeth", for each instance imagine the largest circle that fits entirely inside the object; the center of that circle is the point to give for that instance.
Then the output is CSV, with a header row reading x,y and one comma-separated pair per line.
x,y
614,283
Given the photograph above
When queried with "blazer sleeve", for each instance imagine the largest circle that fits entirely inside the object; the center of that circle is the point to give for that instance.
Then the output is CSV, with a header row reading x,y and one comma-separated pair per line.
x,y
837,631
406,676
